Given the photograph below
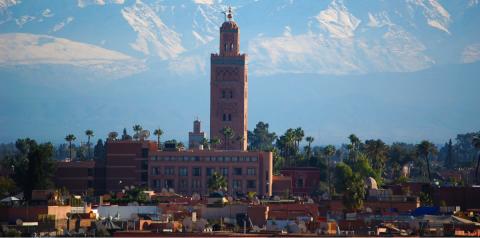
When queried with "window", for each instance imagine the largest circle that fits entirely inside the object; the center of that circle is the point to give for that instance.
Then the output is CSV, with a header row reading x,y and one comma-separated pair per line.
x,y
224,117
169,171
144,165
229,117
155,171
183,183
182,171
251,171
145,153
237,171
231,46
251,184
299,183
90,172
169,183
224,172
210,171
196,172
231,93
156,183
224,94
144,177
196,184
225,46
90,184
237,184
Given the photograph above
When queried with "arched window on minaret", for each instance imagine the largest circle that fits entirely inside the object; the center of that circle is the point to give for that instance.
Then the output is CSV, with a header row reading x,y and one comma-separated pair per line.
x,y
225,45
231,46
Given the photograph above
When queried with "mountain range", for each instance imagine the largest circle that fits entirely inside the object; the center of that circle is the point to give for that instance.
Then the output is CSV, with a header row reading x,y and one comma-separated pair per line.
x,y
399,70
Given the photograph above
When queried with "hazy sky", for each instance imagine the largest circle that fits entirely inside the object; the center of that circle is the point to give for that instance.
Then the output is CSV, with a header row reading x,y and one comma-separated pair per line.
x,y
395,70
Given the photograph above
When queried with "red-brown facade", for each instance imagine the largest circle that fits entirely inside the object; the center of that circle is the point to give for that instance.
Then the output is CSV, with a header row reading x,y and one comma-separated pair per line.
x,y
229,90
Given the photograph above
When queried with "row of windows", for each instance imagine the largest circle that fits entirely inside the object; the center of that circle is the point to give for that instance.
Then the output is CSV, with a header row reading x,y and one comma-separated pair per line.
x,y
227,93
196,184
227,48
197,171
209,159
227,117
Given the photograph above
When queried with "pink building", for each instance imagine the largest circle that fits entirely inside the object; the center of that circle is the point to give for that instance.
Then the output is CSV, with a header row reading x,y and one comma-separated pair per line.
x,y
187,172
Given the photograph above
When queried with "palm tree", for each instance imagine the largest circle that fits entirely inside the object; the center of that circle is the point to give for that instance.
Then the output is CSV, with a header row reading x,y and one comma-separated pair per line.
x,y
89,134
205,143
298,136
227,133
289,141
376,151
426,149
112,135
476,144
354,147
217,182
309,139
137,128
329,151
158,132
215,142
70,138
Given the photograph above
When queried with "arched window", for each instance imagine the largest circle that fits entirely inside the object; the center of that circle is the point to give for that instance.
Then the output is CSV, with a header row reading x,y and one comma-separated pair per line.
x,y
231,46
224,117
229,117
225,46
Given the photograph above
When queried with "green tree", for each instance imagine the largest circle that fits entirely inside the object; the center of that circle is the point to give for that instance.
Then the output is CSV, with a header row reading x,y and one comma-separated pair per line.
x,y
351,185
310,140
33,166
228,134
205,143
426,149
354,147
158,132
125,135
354,193
99,150
215,142
137,128
298,135
400,154
70,138
261,139
89,133
217,182
476,144
376,151
287,145
362,166
7,186
329,152
343,173
449,162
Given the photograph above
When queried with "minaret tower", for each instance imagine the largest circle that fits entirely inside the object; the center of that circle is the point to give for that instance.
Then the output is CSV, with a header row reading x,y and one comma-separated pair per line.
x,y
229,88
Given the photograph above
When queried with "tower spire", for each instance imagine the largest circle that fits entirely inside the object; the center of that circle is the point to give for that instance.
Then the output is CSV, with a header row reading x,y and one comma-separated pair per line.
x,y
228,14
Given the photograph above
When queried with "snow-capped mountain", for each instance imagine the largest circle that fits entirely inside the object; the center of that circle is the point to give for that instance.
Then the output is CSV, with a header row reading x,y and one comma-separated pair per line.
x,y
176,37
399,70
